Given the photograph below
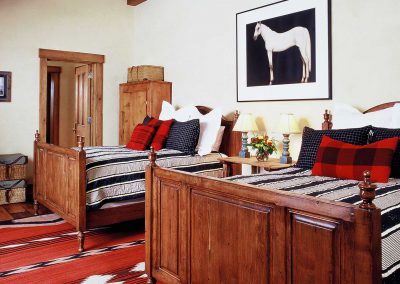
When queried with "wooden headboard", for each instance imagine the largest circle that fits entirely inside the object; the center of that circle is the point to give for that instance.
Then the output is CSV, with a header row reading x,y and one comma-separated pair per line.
x,y
231,140
327,124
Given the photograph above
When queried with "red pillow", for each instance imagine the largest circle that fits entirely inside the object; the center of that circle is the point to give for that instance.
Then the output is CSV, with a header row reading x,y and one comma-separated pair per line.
x,y
154,122
347,161
141,137
162,134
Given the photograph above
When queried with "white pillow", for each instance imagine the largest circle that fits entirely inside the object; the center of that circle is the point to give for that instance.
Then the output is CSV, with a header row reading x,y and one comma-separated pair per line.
x,y
346,116
218,141
167,111
210,123
183,114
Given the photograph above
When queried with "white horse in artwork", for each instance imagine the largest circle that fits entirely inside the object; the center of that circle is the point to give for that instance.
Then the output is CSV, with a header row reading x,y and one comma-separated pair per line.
x,y
277,42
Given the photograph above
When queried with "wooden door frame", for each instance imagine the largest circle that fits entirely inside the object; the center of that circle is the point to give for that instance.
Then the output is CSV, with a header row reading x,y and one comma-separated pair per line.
x,y
97,61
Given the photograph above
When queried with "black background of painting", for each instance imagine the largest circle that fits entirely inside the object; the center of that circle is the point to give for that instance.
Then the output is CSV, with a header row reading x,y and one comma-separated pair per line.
x,y
288,66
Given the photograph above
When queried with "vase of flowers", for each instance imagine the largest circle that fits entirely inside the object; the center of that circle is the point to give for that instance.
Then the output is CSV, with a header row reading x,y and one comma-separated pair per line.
x,y
264,146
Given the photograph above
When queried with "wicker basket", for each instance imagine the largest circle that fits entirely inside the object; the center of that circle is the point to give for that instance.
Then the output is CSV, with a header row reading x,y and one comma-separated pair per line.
x,y
13,166
145,72
13,191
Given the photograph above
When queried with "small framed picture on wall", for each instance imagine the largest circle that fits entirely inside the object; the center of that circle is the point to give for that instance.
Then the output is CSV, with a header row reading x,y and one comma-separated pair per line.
x,y
5,86
283,51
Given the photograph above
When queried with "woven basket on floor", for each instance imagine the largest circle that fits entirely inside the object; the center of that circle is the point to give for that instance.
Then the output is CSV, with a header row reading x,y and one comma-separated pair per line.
x,y
13,191
13,166
145,72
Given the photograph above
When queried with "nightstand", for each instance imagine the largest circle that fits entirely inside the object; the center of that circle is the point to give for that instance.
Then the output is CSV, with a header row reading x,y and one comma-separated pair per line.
x,y
272,164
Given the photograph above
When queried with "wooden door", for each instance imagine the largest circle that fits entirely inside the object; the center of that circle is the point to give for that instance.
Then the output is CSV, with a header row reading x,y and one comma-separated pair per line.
x,y
53,104
83,76
133,108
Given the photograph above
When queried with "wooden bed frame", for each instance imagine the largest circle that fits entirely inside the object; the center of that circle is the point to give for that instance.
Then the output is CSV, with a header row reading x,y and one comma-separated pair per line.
x,y
207,230
60,183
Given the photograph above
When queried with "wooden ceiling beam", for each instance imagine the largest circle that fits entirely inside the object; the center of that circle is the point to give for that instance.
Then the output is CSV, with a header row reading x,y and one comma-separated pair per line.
x,y
134,2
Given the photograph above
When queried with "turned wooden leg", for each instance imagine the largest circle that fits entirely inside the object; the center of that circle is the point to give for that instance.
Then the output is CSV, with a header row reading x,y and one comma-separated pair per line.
x,y
35,207
81,240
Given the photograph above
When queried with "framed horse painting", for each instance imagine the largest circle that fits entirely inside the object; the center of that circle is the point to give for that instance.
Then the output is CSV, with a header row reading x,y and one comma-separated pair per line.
x,y
283,51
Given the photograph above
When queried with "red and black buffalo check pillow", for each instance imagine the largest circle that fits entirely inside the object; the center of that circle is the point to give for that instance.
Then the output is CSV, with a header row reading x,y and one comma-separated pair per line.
x,y
141,137
347,161
162,134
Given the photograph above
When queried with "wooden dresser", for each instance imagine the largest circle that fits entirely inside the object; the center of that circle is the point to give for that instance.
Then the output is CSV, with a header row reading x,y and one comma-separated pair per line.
x,y
138,99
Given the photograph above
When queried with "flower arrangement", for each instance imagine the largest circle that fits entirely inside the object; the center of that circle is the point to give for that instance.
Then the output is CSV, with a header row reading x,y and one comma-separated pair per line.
x,y
264,146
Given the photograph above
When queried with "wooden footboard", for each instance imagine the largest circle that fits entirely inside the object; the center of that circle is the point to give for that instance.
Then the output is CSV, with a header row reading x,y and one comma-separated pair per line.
x,y
60,182
205,230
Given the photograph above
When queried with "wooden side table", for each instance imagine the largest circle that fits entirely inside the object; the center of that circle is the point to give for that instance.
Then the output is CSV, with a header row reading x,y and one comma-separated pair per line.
x,y
272,164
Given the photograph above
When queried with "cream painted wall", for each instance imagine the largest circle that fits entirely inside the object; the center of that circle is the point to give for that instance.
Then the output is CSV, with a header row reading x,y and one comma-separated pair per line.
x,y
93,26
196,42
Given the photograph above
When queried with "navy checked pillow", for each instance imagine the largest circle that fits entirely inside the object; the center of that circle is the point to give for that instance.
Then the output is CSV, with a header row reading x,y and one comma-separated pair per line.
x,y
312,139
378,134
183,136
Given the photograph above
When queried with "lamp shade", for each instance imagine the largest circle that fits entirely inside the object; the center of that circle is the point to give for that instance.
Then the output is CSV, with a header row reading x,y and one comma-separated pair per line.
x,y
245,123
288,124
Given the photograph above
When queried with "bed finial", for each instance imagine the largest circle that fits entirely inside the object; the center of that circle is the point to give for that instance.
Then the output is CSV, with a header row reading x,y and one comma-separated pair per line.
x,y
327,124
236,116
37,136
367,192
152,156
81,142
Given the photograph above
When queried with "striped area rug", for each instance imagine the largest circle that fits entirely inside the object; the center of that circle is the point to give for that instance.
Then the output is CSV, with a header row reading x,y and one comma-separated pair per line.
x,y
44,250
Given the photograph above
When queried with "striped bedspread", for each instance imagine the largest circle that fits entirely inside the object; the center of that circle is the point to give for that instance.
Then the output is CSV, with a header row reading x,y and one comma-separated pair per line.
x,y
387,198
116,173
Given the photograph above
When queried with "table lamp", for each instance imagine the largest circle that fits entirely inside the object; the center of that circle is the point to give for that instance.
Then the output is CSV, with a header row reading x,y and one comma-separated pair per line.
x,y
244,124
287,125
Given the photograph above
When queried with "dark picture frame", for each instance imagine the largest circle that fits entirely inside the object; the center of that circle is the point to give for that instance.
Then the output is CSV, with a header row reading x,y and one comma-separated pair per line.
x,y
5,86
283,52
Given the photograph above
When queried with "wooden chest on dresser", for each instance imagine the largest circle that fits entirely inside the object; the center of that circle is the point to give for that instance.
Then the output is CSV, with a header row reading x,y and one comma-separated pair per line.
x,y
138,99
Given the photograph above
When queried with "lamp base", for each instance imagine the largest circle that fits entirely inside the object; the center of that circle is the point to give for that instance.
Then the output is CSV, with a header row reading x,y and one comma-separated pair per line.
x,y
244,154
285,160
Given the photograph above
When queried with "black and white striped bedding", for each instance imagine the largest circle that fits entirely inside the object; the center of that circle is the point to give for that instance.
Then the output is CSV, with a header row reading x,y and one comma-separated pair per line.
x,y
116,173
387,198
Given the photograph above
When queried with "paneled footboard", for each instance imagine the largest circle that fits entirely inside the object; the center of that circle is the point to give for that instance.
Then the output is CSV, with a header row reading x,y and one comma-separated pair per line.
x,y
205,230
60,182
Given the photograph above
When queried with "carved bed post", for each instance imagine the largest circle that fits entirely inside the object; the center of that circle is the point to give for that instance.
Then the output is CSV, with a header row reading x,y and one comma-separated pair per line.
x,y
81,142
368,234
327,124
149,214
152,157
235,117
367,192
236,145
81,225
35,202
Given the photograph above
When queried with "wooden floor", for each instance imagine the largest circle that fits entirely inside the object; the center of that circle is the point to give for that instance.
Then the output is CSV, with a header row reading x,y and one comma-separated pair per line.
x,y
14,211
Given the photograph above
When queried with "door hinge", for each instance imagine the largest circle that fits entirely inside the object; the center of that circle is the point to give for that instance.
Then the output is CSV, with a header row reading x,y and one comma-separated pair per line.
x,y
89,120
90,75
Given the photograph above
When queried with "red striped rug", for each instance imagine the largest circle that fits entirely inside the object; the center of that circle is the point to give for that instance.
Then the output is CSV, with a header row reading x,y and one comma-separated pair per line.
x,y
36,252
